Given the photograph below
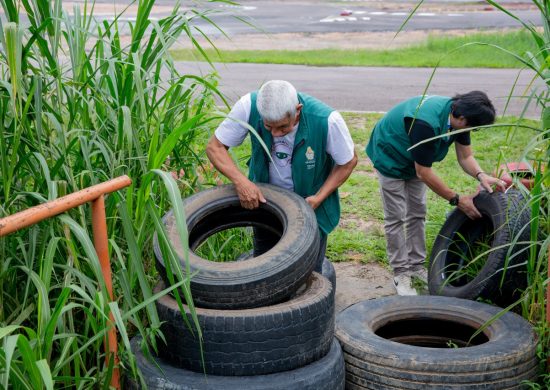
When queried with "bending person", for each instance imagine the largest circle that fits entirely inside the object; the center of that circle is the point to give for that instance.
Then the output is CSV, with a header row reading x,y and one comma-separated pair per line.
x,y
312,153
404,175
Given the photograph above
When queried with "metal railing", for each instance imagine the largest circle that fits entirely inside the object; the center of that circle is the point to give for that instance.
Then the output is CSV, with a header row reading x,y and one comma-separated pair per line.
x,y
95,195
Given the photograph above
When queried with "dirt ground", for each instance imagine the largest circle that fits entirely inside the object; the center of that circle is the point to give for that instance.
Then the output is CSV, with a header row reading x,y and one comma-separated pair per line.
x,y
357,282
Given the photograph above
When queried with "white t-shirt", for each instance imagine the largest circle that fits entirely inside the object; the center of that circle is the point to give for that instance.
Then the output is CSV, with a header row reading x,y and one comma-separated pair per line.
x,y
232,132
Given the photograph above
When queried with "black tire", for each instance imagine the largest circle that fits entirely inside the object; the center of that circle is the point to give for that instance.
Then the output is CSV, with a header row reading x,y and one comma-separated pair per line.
x,y
324,374
506,219
252,341
264,280
402,342
329,272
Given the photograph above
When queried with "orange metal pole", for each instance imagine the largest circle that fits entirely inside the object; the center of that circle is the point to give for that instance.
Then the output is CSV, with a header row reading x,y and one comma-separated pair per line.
x,y
38,213
99,227
92,194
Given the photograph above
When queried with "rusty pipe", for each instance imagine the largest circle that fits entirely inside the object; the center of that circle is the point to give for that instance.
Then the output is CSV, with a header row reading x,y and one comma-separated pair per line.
x,y
43,211
94,194
101,244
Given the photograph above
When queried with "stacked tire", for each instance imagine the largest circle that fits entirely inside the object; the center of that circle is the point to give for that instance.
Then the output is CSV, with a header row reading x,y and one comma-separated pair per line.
x,y
266,322
433,342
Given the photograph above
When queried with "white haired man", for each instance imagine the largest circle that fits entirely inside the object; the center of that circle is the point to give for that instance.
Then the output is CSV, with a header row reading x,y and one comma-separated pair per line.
x,y
312,152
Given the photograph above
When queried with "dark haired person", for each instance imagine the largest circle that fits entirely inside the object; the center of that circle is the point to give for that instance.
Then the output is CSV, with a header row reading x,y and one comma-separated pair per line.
x,y
403,175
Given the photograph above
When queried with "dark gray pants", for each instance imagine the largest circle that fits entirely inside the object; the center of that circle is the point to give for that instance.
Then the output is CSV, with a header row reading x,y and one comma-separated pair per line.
x,y
404,204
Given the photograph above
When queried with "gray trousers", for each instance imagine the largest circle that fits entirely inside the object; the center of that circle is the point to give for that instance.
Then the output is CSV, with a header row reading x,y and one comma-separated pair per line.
x,y
404,203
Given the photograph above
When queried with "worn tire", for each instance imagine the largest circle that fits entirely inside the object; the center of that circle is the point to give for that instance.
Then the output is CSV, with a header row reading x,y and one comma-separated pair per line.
x,y
507,215
400,342
252,341
329,272
264,280
326,373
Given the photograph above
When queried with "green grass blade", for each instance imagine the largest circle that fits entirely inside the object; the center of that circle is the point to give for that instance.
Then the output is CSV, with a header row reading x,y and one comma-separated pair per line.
x,y
45,373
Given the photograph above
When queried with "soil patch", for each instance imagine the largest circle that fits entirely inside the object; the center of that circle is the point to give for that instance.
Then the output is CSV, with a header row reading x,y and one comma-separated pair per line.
x,y
357,282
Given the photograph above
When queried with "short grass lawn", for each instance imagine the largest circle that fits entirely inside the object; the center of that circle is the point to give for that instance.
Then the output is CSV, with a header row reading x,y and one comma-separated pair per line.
x,y
438,50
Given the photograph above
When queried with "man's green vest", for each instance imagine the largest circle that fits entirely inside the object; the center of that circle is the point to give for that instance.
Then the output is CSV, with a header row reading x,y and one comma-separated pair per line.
x,y
389,141
310,164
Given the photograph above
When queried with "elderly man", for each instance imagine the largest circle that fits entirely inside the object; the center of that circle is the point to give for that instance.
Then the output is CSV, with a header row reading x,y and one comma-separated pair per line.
x,y
312,152
403,175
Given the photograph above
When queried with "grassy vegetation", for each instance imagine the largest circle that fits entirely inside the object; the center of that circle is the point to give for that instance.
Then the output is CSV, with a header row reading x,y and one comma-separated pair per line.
x,y
79,106
427,54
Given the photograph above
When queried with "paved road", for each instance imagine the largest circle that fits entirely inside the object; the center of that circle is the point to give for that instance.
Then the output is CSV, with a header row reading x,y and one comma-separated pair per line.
x,y
317,17
373,88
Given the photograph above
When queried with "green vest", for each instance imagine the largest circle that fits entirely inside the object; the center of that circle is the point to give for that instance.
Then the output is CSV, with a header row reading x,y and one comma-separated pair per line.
x,y
389,141
310,164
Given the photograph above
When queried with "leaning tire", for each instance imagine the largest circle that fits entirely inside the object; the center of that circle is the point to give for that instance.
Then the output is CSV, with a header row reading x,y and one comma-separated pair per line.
x,y
252,341
420,343
260,281
324,374
505,218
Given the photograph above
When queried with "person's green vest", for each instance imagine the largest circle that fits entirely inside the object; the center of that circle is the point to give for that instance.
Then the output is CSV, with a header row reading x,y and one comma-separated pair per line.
x,y
389,141
310,164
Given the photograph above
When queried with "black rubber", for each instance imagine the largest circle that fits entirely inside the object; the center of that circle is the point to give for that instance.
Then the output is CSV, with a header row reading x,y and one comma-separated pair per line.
x,y
507,215
329,272
264,280
252,341
402,342
326,373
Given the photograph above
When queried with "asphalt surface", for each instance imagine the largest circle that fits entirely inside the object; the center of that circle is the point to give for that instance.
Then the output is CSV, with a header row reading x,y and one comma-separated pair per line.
x,y
373,88
318,16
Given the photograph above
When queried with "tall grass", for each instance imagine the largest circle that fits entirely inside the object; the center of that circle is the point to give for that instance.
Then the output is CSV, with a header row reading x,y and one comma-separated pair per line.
x,y
533,300
80,104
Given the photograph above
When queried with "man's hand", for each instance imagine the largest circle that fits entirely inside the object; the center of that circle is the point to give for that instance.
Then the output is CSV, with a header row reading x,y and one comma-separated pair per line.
x,y
487,182
466,205
313,201
249,194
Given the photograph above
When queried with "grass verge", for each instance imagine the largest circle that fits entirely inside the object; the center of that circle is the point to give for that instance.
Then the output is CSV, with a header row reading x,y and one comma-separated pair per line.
x,y
426,54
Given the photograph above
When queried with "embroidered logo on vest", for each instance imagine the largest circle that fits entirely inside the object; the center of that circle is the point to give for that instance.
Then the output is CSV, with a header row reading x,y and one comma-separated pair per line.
x,y
310,158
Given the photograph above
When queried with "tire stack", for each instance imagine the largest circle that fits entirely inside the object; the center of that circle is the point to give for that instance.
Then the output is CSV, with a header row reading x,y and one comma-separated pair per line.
x,y
266,322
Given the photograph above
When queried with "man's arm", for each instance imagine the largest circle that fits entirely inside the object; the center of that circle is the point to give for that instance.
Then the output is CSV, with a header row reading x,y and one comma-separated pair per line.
x,y
469,164
335,179
249,193
434,182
